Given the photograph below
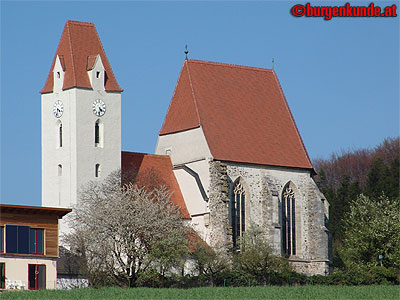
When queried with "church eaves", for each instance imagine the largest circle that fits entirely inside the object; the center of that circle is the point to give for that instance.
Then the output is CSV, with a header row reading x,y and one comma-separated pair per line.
x,y
79,43
242,111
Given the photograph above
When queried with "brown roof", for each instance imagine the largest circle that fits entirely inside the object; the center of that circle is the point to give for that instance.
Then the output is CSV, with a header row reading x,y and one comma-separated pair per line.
x,y
59,212
243,113
78,42
154,170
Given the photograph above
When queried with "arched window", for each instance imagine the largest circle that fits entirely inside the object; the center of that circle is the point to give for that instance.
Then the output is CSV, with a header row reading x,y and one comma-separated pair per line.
x,y
59,170
98,134
60,134
97,170
237,212
288,221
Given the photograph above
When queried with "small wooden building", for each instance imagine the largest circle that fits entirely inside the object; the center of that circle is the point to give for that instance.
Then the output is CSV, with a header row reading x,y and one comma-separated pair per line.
x,y
29,246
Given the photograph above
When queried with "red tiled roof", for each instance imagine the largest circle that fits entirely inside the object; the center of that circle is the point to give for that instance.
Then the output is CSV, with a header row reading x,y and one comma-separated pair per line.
x,y
243,113
80,40
141,164
195,242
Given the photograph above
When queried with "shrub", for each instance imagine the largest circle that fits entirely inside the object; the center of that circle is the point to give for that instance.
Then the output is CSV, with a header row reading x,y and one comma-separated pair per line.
x,y
382,275
150,278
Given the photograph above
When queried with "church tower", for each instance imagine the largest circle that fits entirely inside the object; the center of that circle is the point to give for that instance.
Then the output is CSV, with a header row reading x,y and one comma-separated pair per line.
x,y
81,117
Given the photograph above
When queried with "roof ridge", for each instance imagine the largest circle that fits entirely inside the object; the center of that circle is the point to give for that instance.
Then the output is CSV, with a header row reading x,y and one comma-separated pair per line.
x,y
72,53
81,23
193,94
206,62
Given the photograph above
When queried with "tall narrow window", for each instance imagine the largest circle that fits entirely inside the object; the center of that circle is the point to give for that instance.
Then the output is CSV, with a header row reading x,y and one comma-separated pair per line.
x,y
2,275
97,170
59,170
98,133
288,222
1,238
36,241
60,135
237,212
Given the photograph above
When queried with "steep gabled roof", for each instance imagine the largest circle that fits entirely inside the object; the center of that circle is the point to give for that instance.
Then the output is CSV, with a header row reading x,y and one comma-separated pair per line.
x,y
79,43
157,169
242,111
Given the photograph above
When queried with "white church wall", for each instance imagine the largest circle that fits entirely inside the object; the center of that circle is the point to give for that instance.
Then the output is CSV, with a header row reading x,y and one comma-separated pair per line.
x,y
184,147
57,185
202,167
108,153
191,193
201,227
78,154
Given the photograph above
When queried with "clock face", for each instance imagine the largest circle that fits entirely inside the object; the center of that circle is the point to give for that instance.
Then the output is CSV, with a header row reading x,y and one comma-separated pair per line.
x,y
58,108
99,107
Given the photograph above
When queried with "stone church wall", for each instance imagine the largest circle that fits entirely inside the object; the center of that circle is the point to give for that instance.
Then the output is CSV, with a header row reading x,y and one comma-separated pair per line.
x,y
264,187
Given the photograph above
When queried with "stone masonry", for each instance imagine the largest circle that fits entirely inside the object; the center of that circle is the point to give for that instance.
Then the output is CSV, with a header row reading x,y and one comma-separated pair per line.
x,y
264,186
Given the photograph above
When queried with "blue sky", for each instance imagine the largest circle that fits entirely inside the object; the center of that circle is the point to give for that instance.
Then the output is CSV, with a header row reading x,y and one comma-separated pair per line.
x,y
340,77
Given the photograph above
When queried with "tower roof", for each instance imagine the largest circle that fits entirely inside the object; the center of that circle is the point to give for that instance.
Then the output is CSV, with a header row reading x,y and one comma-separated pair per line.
x,y
78,45
242,111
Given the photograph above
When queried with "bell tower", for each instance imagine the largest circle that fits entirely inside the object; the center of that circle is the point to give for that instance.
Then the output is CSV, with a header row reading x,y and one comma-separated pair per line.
x,y
81,117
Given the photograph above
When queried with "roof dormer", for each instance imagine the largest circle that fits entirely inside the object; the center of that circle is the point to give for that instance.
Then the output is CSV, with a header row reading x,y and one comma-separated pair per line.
x,y
81,47
58,73
96,72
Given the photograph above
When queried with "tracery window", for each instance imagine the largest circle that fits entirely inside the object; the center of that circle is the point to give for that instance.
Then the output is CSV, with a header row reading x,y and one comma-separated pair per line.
x,y
237,213
288,222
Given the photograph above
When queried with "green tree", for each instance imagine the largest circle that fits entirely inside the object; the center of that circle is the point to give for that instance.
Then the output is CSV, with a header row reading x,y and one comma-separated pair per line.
x,y
372,229
256,259
394,180
169,252
378,180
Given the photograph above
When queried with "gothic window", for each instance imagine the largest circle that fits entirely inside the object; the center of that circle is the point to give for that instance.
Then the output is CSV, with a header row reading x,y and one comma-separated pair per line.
x,y
59,170
288,222
237,212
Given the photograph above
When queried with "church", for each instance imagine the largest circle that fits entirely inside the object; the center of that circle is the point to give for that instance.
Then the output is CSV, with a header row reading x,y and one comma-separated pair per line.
x,y
229,149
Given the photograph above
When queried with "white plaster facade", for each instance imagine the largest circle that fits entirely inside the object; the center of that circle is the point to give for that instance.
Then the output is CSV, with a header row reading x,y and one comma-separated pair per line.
x,y
67,168
190,148
17,275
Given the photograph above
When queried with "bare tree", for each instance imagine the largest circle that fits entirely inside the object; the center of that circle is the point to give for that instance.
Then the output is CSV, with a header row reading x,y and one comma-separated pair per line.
x,y
116,226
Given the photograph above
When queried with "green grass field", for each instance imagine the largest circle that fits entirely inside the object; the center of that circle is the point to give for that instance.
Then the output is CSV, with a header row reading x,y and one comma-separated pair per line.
x,y
271,292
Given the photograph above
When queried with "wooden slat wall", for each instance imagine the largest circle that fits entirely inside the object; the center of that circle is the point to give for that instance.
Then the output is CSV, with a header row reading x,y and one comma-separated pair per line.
x,y
48,223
